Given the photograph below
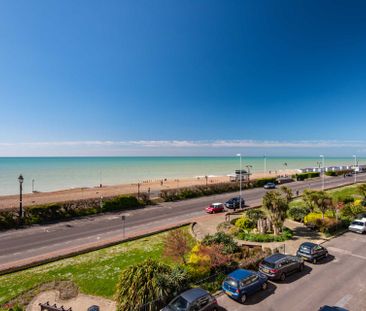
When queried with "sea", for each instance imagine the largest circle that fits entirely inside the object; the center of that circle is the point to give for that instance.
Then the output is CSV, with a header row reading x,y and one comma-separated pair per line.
x,y
58,173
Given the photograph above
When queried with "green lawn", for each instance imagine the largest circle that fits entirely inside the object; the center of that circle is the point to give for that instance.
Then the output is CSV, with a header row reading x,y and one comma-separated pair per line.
x,y
344,192
95,273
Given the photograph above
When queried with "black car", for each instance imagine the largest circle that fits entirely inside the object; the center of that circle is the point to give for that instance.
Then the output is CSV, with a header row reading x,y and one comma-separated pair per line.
x,y
312,252
195,299
329,308
234,203
278,266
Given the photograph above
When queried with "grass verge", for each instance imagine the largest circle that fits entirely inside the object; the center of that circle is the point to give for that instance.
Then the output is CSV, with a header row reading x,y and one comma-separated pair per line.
x,y
96,273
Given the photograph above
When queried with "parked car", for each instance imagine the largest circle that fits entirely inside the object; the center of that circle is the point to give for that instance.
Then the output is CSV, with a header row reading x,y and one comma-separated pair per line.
x,y
329,308
278,266
242,283
348,175
215,208
234,203
358,225
270,185
312,252
195,299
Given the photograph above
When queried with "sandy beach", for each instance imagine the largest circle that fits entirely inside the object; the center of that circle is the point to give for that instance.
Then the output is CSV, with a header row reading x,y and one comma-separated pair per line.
x,y
12,201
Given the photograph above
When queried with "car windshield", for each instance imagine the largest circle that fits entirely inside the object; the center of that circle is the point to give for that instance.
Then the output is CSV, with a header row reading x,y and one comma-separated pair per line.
x,y
305,249
179,304
231,282
357,223
268,264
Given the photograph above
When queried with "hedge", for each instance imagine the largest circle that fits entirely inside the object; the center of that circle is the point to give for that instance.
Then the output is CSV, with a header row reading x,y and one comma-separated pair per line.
x,y
262,181
257,237
304,176
39,214
338,173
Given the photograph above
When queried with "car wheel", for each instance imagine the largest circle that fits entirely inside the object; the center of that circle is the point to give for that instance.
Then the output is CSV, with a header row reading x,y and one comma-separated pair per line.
x,y
314,261
301,267
283,277
243,298
264,286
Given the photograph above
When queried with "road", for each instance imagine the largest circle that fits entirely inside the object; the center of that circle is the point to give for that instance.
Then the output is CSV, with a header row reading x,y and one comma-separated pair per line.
x,y
24,244
339,281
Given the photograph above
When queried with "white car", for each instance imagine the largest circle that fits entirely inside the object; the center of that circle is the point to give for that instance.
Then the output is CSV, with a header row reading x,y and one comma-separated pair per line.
x,y
358,225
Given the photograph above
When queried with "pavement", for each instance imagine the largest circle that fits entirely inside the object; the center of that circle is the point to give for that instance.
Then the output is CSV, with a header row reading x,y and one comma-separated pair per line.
x,y
339,280
22,247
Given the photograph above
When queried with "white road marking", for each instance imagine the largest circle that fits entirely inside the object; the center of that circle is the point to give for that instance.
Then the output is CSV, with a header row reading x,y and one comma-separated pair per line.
x,y
345,252
343,301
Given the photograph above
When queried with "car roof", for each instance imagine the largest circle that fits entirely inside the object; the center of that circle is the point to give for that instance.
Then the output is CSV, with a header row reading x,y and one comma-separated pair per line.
x,y
308,244
240,274
217,203
193,294
361,220
275,257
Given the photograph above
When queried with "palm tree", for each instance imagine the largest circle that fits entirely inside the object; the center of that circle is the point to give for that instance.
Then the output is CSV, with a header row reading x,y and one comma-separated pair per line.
x,y
287,191
140,284
276,206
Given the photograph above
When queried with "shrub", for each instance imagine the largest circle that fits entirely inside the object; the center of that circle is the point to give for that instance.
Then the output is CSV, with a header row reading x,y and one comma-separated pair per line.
x,y
311,218
230,246
120,203
337,173
262,181
304,176
351,210
257,237
254,214
244,223
198,264
298,212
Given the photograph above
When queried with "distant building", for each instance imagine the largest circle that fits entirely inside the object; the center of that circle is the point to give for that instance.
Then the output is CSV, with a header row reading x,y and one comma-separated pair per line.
x,y
334,168
245,175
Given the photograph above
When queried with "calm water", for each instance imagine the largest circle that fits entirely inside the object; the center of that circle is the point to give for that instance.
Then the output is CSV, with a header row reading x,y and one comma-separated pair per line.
x,y
55,173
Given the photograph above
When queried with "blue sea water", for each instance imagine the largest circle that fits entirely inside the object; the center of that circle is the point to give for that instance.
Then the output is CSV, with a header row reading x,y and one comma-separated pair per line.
x,y
55,173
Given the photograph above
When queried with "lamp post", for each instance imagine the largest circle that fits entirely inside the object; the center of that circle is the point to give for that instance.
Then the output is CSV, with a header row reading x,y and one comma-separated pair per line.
x,y
322,156
285,167
239,155
355,165
20,179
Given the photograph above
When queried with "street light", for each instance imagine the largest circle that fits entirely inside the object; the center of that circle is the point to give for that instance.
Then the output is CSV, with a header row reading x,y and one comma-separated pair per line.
x,y
285,167
20,179
239,155
355,157
322,156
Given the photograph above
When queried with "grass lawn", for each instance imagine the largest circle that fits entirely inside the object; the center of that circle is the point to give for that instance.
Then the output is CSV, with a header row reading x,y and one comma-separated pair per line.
x,y
95,273
344,192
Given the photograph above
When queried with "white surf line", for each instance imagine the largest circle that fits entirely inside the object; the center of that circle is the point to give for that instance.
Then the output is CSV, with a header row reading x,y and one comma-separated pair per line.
x,y
343,301
345,252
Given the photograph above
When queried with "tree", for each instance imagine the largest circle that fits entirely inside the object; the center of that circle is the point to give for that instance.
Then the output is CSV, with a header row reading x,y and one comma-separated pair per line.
x,y
177,245
320,200
308,198
276,206
361,189
139,284
287,191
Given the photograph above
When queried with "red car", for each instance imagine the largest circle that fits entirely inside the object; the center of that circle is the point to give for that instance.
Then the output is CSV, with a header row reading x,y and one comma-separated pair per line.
x,y
215,208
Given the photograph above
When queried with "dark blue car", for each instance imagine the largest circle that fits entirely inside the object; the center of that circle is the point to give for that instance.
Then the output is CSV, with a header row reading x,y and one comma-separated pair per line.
x,y
242,283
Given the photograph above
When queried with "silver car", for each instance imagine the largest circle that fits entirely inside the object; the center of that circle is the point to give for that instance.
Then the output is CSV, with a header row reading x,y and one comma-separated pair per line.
x,y
358,225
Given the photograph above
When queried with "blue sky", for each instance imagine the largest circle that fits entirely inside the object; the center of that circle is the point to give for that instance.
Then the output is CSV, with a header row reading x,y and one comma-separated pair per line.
x,y
177,77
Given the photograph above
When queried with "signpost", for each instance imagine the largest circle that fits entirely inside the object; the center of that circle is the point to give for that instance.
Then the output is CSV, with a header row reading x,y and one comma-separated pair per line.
x,y
123,225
